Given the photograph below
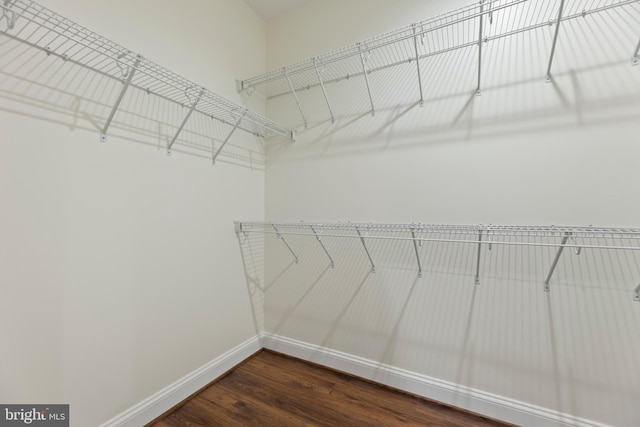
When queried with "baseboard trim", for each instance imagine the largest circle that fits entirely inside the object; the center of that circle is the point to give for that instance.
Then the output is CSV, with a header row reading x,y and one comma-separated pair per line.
x,y
487,404
157,404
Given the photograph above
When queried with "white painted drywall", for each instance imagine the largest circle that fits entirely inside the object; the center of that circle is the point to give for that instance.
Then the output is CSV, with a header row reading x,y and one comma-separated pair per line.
x,y
120,271
524,152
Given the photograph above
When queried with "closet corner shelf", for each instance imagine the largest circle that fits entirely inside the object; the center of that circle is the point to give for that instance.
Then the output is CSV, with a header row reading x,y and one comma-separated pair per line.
x,y
560,238
471,26
41,28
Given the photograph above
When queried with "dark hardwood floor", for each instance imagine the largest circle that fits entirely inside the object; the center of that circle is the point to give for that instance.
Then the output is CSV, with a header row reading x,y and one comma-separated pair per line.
x,y
270,389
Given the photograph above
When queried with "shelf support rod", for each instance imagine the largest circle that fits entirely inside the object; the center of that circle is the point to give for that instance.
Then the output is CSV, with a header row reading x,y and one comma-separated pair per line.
x,y
635,60
555,40
285,243
415,247
478,262
373,267
295,96
184,122
555,261
319,239
480,32
415,45
127,82
636,294
324,90
366,79
215,156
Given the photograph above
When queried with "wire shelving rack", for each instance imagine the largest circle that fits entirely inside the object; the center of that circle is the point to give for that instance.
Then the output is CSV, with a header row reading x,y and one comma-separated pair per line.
x,y
44,29
472,26
481,236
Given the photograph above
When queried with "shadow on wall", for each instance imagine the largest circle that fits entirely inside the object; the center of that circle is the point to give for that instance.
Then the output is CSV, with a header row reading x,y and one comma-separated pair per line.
x,y
592,82
574,349
47,88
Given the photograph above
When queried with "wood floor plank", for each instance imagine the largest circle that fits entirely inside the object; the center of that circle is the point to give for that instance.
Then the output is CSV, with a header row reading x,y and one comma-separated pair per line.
x,y
271,389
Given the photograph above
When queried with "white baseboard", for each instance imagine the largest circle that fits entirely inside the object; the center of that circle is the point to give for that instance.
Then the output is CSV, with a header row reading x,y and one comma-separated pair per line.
x,y
487,404
165,399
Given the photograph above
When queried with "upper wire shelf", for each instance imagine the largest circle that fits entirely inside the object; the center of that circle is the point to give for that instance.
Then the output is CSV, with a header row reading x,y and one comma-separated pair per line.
x,y
471,26
558,237
42,28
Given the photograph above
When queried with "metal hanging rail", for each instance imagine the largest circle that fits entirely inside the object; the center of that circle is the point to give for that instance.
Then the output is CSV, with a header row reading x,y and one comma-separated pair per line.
x,y
42,28
467,27
577,238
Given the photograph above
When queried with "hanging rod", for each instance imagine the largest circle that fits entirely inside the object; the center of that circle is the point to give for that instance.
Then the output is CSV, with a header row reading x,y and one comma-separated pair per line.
x,y
44,29
577,238
444,33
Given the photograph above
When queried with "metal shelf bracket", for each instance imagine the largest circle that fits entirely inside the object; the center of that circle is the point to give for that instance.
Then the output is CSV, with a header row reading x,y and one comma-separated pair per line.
x,y
415,247
478,261
373,266
128,74
324,90
480,32
636,294
285,243
194,104
415,45
635,60
365,73
555,261
319,239
548,77
295,96
215,155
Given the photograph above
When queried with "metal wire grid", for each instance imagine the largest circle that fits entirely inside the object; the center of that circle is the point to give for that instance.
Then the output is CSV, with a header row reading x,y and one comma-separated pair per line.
x,y
516,235
42,28
444,33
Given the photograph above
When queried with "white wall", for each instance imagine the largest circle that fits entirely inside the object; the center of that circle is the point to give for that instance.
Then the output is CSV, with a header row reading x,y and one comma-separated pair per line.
x,y
524,152
119,268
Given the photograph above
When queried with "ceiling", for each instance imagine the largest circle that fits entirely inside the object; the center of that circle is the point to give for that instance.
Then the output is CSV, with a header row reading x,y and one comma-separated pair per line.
x,y
269,9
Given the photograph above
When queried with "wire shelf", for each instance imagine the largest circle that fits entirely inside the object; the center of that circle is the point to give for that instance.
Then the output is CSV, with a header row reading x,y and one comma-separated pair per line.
x,y
554,237
469,27
44,29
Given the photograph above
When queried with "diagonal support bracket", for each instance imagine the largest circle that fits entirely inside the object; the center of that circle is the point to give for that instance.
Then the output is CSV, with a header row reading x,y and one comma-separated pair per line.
x,y
215,155
285,243
636,294
184,122
635,59
478,261
295,96
415,247
127,83
373,266
415,45
365,73
480,33
555,261
548,77
319,239
324,90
